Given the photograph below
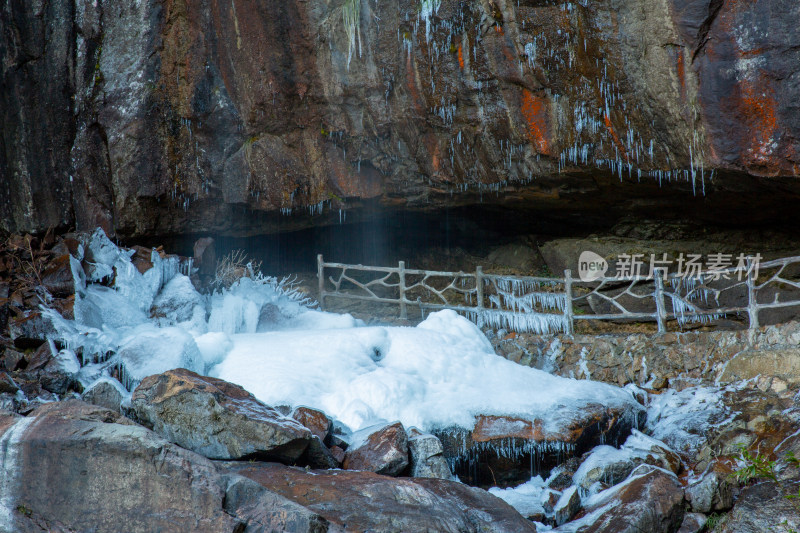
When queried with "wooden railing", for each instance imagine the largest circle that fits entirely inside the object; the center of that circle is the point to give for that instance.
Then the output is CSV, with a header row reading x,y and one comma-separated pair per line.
x,y
553,305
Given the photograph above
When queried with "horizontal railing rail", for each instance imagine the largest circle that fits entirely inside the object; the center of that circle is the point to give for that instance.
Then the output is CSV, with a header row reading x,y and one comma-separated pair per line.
x,y
553,305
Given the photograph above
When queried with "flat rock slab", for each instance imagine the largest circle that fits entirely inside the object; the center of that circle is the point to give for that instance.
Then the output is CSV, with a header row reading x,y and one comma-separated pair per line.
x,y
364,501
216,419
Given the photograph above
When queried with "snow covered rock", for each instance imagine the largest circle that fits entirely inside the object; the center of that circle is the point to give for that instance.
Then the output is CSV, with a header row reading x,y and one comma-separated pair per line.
x,y
426,457
216,419
609,465
383,450
157,350
105,392
712,492
58,375
364,501
651,500
567,506
72,466
505,444
178,301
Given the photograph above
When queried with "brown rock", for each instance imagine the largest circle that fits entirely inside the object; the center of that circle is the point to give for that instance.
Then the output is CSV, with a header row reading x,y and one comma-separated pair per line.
x,y
364,501
649,500
384,451
142,258
57,277
205,256
7,384
30,330
316,421
235,424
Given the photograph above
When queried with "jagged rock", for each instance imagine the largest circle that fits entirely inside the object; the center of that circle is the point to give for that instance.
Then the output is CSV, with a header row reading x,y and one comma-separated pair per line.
x,y
693,523
265,511
205,257
338,453
763,507
90,469
31,330
13,360
364,501
106,392
651,500
426,457
316,421
382,450
7,384
40,358
234,424
576,432
57,277
567,506
58,375
609,465
713,491
317,455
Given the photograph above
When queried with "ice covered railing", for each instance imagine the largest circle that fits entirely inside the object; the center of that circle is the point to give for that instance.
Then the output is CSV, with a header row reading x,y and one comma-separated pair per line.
x,y
552,305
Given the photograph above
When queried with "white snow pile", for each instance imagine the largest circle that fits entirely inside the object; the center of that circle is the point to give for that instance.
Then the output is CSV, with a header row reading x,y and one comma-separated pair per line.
x,y
261,336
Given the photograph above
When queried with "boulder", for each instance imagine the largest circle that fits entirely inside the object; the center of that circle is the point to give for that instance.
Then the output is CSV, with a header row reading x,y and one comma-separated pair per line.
x,y
7,384
651,500
106,392
31,330
57,278
265,511
315,421
216,419
499,449
609,465
58,375
205,257
383,450
763,507
567,506
713,491
693,523
426,457
72,466
365,501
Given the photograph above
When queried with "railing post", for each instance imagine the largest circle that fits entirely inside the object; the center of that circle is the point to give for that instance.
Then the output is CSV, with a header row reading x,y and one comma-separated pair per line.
x,y
661,315
321,279
752,296
402,287
479,286
568,318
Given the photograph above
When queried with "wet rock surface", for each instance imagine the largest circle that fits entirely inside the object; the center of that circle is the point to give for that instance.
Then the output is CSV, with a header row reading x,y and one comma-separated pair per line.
x,y
280,111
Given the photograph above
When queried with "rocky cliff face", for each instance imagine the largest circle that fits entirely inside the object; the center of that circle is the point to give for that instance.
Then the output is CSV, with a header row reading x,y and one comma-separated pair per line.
x,y
177,116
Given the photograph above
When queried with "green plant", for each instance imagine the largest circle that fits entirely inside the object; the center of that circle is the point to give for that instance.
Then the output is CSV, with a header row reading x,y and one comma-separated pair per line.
x,y
754,466
713,520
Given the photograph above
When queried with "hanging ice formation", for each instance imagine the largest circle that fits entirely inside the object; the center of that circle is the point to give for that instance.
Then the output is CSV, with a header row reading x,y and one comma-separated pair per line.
x,y
351,15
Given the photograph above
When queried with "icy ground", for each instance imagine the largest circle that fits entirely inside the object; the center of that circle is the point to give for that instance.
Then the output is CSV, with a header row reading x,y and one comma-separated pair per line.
x,y
261,335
